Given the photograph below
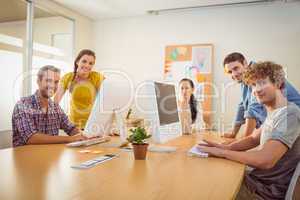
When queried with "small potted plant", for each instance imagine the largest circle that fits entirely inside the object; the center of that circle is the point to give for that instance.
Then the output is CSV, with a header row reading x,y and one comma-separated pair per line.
x,y
137,139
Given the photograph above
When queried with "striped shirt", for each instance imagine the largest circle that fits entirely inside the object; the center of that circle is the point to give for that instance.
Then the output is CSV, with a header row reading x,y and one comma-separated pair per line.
x,y
28,118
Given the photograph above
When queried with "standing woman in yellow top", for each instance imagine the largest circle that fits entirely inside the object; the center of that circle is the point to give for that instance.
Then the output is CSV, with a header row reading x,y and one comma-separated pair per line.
x,y
83,85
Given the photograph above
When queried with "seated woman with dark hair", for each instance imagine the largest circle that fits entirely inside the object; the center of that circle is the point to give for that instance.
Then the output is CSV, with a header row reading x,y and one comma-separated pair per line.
x,y
190,110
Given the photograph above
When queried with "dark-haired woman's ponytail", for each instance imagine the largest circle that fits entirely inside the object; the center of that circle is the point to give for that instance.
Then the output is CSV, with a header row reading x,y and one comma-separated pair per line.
x,y
193,107
75,70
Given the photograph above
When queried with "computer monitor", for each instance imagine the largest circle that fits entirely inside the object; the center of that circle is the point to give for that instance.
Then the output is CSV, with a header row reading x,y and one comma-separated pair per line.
x,y
157,102
113,100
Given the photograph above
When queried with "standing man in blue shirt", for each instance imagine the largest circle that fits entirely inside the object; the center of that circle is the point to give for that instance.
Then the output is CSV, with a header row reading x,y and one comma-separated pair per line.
x,y
249,111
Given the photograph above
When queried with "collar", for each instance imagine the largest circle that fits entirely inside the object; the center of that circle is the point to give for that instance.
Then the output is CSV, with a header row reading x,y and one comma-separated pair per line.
x,y
38,101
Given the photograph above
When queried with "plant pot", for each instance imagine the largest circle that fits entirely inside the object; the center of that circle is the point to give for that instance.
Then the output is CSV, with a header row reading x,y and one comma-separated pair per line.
x,y
140,151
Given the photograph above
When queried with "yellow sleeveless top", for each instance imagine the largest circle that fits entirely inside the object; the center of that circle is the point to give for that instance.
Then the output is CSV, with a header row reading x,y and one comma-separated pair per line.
x,y
82,96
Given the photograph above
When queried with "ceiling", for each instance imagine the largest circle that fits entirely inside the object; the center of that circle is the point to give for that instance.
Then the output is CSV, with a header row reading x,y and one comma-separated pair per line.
x,y
15,10
105,9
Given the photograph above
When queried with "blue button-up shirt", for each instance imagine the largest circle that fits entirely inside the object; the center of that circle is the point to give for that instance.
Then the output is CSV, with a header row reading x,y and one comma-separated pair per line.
x,y
250,108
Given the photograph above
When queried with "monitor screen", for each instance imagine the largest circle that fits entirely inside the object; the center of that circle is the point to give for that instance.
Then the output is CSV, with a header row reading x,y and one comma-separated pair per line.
x,y
166,103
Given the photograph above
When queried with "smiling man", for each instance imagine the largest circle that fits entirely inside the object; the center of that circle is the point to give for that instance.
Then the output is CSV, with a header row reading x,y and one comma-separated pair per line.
x,y
250,112
37,119
278,140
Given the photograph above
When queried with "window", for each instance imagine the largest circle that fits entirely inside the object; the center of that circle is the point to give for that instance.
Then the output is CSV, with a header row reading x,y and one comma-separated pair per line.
x,y
52,44
12,52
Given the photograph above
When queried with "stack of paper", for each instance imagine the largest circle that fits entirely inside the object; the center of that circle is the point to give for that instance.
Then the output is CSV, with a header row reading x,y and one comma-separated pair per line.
x,y
195,151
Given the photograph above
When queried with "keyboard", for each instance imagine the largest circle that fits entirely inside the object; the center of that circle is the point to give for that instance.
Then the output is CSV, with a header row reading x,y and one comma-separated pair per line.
x,y
89,142
162,149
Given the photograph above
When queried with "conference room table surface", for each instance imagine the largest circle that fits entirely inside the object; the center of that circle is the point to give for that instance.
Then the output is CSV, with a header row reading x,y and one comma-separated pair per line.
x,y
44,172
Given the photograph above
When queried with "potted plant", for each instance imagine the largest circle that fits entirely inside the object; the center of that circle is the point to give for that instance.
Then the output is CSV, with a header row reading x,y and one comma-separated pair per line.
x,y
137,139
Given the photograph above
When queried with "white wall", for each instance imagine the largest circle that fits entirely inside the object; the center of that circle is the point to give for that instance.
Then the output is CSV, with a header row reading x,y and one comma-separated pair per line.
x,y
83,25
262,32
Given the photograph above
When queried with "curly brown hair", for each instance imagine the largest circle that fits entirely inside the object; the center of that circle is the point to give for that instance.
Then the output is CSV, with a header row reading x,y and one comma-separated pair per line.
x,y
262,70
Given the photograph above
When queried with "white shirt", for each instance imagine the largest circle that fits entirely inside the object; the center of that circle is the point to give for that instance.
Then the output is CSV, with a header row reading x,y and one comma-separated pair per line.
x,y
186,119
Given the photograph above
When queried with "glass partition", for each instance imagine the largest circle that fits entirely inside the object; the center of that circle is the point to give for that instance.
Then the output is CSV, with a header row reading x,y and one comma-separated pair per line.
x,y
12,50
53,40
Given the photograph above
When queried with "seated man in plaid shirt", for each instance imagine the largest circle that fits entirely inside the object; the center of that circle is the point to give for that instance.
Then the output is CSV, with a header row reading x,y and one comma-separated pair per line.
x,y
37,119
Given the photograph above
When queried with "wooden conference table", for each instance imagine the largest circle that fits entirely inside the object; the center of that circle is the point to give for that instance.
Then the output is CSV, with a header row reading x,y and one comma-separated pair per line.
x,y
44,172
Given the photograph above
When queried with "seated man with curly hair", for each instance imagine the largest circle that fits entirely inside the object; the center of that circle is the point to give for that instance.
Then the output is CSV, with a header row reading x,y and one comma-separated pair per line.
x,y
278,141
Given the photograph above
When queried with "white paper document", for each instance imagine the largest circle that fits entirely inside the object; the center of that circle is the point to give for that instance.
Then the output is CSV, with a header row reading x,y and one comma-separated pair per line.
x,y
195,151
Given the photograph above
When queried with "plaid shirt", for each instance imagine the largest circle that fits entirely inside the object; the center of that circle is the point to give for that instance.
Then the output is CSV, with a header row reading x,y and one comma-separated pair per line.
x,y
29,118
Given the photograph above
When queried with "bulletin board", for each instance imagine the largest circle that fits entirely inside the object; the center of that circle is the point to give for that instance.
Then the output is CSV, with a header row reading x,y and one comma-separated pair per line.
x,y
195,62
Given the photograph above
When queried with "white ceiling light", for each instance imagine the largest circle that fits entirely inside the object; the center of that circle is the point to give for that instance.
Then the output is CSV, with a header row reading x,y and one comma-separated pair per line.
x,y
108,9
157,12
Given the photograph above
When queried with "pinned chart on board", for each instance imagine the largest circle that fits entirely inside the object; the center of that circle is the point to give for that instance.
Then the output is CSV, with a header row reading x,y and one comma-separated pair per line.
x,y
194,62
